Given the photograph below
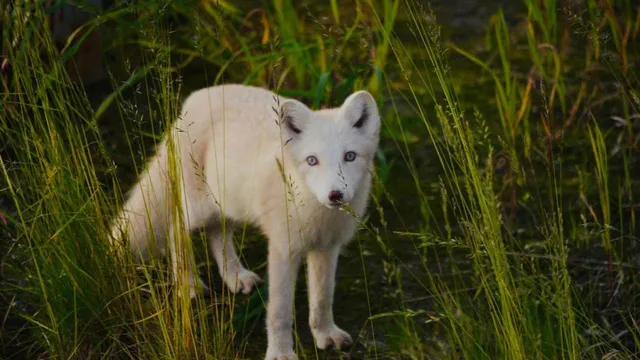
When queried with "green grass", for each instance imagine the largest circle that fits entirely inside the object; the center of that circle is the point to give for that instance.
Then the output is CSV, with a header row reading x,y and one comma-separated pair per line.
x,y
503,217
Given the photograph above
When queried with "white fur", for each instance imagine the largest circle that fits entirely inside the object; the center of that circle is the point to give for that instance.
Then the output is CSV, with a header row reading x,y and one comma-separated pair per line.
x,y
228,148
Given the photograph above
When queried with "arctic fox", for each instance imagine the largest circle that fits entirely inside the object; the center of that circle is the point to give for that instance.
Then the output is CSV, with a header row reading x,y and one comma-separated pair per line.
x,y
289,177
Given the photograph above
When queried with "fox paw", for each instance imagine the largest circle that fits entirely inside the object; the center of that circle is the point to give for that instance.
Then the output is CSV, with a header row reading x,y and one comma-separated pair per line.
x,y
196,286
242,281
331,337
280,355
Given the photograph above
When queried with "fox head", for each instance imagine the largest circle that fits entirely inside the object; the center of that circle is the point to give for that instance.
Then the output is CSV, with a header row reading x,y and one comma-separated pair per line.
x,y
332,149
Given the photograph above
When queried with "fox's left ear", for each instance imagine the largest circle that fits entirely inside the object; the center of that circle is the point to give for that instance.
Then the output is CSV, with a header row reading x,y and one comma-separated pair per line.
x,y
361,111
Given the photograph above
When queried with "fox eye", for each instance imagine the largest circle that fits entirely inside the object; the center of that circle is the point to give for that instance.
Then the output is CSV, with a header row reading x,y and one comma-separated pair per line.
x,y
312,160
349,156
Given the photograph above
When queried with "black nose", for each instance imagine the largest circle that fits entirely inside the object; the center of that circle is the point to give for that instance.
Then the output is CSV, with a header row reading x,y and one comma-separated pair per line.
x,y
335,196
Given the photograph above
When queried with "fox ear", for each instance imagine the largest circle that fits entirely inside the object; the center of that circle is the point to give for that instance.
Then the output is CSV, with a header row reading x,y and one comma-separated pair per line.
x,y
294,116
361,111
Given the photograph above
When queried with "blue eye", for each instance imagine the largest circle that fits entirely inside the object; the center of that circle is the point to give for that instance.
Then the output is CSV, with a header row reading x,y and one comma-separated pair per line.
x,y
349,156
312,160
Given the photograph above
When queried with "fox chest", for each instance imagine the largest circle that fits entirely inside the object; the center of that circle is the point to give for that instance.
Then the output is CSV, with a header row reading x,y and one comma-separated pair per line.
x,y
332,228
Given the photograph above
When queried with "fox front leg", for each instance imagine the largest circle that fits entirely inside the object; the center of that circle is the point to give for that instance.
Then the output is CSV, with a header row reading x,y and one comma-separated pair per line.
x,y
321,268
283,268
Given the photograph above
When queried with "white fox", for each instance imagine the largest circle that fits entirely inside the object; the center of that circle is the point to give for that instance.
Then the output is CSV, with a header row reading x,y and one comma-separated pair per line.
x,y
289,177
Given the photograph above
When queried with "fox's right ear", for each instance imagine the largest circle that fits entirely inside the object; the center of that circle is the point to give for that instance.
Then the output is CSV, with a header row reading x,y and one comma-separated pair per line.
x,y
361,111
294,116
